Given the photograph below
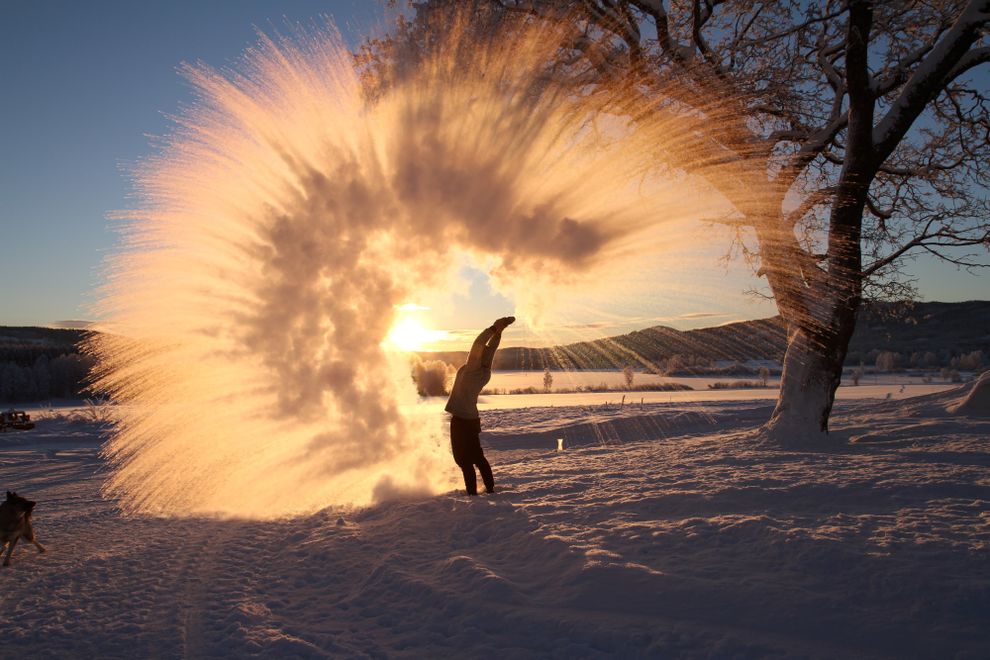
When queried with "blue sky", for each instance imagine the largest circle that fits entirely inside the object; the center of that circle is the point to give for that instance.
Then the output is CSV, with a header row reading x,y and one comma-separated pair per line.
x,y
86,84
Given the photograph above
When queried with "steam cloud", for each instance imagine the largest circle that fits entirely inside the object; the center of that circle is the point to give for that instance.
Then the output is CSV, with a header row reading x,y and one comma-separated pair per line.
x,y
286,217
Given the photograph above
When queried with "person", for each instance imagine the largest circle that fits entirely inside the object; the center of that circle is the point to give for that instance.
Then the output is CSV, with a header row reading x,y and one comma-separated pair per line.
x,y
465,422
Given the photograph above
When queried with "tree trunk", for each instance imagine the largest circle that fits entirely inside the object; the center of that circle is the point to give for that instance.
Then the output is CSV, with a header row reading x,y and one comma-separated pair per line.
x,y
812,372
820,329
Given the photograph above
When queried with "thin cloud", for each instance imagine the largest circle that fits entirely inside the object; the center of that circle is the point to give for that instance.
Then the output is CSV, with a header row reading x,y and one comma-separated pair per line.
x,y
73,325
699,315
593,326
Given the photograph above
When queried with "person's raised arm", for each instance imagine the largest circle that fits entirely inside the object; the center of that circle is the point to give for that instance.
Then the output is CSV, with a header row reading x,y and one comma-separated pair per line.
x,y
487,343
478,348
488,353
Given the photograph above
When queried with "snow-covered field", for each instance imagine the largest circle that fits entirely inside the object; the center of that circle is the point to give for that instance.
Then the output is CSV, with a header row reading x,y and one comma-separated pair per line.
x,y
700,396
663,530
511,380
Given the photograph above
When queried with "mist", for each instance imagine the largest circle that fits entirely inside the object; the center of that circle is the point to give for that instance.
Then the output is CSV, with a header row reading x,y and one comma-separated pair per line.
x,y
291,211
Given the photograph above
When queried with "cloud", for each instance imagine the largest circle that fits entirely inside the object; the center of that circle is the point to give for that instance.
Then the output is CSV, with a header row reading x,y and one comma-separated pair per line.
x,y
73,325
698,315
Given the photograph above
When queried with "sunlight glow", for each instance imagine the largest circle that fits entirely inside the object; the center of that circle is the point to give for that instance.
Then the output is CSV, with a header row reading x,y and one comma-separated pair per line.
x,y
409,334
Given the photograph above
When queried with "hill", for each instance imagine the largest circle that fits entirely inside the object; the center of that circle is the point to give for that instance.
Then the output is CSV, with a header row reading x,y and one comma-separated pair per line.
x,y
37,364
23,346
40,363
946,330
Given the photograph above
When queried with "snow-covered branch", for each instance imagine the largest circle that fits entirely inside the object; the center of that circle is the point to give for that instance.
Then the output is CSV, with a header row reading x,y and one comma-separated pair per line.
x,y
929,77
971,59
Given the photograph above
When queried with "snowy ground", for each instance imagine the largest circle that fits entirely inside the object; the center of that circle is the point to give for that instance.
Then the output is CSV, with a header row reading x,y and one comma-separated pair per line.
x,y
510,380
664,531
613,399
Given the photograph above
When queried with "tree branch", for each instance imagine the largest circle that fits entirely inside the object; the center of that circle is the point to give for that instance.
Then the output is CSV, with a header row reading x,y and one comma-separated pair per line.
x,y
795,28
971,59
930,77
656,10
901,72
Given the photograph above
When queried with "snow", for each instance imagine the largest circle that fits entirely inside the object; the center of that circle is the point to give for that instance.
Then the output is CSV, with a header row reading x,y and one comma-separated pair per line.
x,y
510,380
976,400
869,391
663,530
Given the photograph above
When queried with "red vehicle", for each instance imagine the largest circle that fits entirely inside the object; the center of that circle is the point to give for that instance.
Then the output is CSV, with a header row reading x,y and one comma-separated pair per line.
x,y
15,420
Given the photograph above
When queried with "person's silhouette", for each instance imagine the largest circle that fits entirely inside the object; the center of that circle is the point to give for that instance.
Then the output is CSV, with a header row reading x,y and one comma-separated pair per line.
x,y
465,422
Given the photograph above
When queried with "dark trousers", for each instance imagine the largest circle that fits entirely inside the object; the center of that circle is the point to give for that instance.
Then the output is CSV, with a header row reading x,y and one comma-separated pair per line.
x,y
465,442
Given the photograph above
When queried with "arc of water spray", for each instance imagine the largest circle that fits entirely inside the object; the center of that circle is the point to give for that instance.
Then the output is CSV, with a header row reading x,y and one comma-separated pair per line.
x,y
285,218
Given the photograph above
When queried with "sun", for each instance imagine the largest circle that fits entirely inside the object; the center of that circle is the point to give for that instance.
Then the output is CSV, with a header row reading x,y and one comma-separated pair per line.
x,y
409,334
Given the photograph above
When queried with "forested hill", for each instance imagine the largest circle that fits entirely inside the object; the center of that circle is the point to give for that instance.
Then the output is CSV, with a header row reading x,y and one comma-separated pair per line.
x,y
41,363
29,338
945,330
942,328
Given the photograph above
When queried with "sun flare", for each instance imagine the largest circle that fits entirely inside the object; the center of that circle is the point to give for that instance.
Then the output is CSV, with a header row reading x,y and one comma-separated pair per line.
x,y
409,334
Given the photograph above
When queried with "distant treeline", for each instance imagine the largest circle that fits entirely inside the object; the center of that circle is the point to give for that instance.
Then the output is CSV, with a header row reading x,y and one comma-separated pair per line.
x,y
41,363
923,361
60,377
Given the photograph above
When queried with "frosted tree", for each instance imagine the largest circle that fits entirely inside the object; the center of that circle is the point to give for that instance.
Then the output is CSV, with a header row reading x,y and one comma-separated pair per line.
x,y
887,361
7,377
42,377
863,120
969,361
629,375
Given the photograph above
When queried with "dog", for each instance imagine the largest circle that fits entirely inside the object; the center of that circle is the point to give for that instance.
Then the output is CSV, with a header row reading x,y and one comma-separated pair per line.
x,y
15,523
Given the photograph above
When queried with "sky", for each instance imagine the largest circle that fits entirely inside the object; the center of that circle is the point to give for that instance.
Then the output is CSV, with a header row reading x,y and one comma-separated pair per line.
x,y
84,88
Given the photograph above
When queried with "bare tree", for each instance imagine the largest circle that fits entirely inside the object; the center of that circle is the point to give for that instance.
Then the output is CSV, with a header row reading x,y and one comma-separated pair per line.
x,y
629,375
864,122
887,361
858,373
547,380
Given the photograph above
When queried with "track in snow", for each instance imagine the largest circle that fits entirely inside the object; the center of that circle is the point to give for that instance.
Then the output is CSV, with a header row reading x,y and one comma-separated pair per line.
x,y
661,531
